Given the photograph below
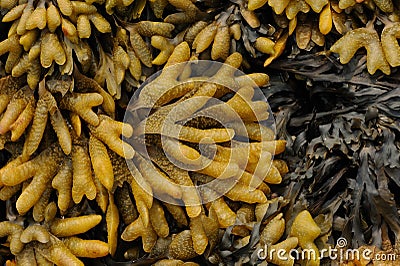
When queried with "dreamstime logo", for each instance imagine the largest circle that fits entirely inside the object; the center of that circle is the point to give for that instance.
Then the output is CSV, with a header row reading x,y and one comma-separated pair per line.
x,y
339,253
188,121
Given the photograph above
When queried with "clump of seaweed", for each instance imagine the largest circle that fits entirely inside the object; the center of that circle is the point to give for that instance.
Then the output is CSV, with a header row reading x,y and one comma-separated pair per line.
x,y
382,53
169,163
73,160
265,228
22,108
130,52
42,33
311,22
350,142
53,240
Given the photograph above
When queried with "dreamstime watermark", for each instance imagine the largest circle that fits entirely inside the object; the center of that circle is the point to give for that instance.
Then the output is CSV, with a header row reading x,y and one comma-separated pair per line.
x,y
338,253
